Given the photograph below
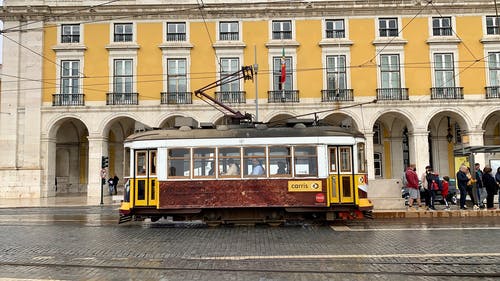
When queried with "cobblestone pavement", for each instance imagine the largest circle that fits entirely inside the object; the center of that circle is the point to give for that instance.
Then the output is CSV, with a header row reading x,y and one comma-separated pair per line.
x,y
85,243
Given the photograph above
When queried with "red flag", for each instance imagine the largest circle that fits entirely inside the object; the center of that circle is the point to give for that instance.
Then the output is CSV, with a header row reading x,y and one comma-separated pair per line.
x,y
283,68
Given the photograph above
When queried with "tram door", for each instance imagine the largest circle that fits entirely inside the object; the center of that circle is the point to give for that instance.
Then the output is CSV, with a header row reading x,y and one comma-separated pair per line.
x,y
145,183
341,175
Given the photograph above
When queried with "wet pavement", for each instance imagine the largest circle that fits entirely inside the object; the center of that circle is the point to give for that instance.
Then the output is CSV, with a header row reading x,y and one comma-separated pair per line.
x,y
86,243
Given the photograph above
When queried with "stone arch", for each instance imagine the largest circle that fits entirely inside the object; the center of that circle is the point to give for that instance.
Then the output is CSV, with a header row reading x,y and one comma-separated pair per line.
x,y
53,125
343,119
67,155
491,126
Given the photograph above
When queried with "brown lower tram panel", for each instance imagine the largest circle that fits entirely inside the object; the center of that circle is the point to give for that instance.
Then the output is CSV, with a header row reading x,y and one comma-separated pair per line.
x,y
234,194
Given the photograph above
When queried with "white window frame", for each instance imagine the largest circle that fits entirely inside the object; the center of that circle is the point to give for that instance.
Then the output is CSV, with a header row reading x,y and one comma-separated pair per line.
x,y
70,77
489,69
227,72
238,25
496,20
336,71
391,72
452,22
124,83
112,32
165,30
325,31
278,52
434,71
59,33
398,27
177,76
292,26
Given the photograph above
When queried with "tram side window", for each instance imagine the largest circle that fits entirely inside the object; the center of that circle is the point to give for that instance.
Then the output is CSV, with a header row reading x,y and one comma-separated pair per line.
x,y
140,163
279,161
230,161
178,162
152,165
306,161
254,159
333,159
203,162
361,158
345,159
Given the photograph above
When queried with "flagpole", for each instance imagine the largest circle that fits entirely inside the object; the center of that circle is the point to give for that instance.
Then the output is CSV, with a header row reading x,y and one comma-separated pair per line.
x,y
255,69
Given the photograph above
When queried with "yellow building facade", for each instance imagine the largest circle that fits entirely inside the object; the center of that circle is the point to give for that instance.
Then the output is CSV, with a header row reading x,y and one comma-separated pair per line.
x,y
413,76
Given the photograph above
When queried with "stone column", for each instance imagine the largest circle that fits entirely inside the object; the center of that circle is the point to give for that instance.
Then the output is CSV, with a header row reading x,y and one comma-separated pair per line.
x,y
98,147
48,162
369,155
419,149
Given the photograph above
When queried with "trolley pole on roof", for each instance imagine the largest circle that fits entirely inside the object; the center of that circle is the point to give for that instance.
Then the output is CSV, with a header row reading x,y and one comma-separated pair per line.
x,y
255,69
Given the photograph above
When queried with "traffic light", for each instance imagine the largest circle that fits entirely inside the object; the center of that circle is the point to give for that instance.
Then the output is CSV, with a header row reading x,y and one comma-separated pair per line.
x,y
104,162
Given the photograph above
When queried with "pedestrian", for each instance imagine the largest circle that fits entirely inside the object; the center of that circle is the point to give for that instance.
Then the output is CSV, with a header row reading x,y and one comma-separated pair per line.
x,y
430,178
412,185
462,180
110,186
444,191
470,184
115,184
478,187
497,178
491,187
425,186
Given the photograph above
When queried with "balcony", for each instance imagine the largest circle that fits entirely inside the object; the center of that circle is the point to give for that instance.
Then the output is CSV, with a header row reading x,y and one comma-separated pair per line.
x,y
68,100
492,92
232,36
176,98
122,98
176,37
231,96
283,96
392,94
447,93
336,95
335,34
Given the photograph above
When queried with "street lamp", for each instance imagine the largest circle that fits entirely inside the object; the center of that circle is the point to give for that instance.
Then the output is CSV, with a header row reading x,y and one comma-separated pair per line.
x,y
449,136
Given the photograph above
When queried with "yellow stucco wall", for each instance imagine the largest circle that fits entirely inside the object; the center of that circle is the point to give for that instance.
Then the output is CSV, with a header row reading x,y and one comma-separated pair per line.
x,y
96,66
203,62
309,73
417,56
253,41
363,70
49,68
149,61
473,79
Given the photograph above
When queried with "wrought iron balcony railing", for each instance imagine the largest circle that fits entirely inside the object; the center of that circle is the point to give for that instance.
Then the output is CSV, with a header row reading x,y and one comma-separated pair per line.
x,y
492,92
392,94
336,95
176,36
231,96
229,36
122,98
68,100
447,93
176,98
283,96
335,34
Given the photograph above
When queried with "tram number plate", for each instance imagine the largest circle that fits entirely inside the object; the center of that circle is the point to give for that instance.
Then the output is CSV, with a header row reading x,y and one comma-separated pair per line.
x,y
312,186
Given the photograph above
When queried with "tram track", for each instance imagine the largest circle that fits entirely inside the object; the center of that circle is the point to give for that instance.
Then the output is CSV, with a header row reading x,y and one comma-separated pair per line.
x,y
377,270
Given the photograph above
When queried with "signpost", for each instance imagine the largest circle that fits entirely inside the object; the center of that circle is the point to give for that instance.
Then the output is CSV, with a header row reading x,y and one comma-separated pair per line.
x,y
104,165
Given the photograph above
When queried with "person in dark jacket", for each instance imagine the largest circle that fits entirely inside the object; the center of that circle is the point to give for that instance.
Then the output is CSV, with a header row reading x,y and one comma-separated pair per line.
x,y
491,187
497,178
462,180
115,184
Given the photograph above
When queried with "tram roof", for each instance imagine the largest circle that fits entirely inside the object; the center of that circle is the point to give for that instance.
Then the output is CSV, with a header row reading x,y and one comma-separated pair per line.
x,y
228,132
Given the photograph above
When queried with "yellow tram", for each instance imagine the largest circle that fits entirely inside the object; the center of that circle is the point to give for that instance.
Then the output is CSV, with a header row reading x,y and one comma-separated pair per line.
x,y
236,173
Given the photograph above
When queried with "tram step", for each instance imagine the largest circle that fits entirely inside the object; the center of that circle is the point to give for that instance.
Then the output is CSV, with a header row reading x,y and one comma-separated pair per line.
x,y
124,219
